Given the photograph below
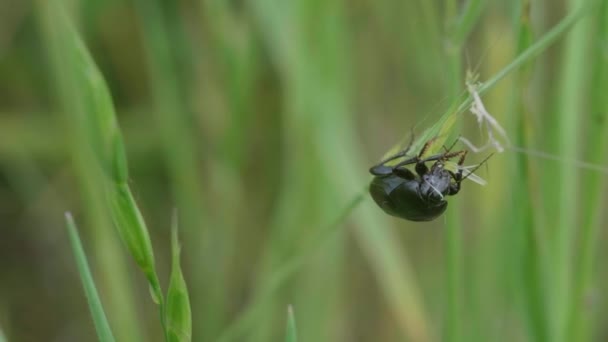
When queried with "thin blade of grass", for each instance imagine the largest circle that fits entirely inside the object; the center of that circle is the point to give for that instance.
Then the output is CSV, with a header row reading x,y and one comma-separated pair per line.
x,y
572,97
291,334
454,260
579,321
104,333
528,268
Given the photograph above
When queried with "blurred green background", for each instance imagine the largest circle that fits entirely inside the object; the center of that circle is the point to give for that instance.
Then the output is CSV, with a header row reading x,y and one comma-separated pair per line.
x,y
258,120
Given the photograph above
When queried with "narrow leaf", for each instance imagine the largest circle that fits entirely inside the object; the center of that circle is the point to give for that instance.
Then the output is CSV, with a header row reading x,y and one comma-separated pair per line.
x,y
99,317
292,335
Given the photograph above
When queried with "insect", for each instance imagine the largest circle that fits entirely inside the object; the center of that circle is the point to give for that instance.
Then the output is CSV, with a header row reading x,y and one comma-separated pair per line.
x,y
418,196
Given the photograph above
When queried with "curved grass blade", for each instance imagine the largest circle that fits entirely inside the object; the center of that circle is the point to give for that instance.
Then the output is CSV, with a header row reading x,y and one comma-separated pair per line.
x,y
104,333
95,117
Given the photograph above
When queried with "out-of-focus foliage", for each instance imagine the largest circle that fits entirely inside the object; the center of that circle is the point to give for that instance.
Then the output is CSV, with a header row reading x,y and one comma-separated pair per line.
x,y
258,120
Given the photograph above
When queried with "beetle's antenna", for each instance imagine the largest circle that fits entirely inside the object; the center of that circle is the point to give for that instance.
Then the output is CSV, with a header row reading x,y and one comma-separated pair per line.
x,y
477,167
447,150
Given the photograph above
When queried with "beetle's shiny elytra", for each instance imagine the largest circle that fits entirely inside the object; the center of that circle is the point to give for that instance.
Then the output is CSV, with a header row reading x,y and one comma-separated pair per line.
x,y
416,196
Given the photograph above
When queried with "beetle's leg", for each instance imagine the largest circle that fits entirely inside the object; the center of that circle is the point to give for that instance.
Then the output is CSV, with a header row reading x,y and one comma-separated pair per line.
x,y
421,168
457,176
454,188
460,163
404,173
425,148
381,169
462,154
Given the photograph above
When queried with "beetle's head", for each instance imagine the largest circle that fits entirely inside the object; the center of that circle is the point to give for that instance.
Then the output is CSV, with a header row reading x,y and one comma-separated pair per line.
x,y
435,183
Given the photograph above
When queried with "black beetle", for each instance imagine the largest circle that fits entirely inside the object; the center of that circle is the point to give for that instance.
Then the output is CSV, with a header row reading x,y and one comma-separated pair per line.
x,y
421,196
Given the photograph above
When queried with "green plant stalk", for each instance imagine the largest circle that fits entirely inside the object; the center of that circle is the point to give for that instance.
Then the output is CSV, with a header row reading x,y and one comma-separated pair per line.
x,y
529,265
593,183
453,239
454,270
571,102
292,334
458,27
104,333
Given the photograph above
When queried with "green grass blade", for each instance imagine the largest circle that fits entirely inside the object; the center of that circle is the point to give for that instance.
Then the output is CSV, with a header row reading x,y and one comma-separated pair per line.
x,y
89,125
106,143
567,136
528,268
179,316
291,334
104,333
96,122
2,336
593,185
454,261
